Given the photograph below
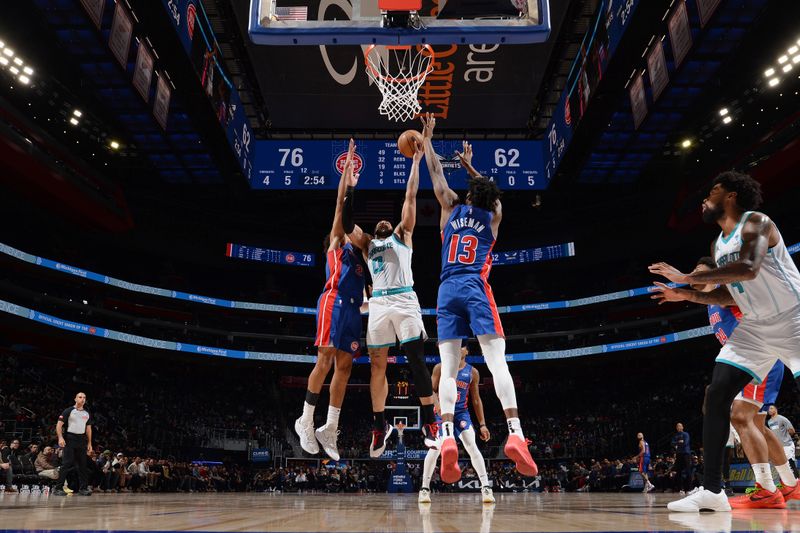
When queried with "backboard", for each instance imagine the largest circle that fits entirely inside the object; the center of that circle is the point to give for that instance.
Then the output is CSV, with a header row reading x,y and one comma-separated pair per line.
x,y
362,22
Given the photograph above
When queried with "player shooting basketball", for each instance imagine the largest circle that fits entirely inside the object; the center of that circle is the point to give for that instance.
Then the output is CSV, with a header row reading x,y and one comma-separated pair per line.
x,y
394,312
466,304
338,329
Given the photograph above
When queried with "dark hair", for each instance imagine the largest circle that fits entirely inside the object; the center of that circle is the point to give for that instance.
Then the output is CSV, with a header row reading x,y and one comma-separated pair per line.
x,y
483,193
747,189
707,261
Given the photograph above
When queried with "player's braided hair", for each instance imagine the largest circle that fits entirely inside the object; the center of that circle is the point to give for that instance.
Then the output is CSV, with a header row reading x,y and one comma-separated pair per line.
x,y
483,193
747,189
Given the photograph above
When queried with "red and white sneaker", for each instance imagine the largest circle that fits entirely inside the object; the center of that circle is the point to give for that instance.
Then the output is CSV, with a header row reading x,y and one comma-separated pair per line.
x,y
790,493
378,443
431,434
759,498
449,470
517,450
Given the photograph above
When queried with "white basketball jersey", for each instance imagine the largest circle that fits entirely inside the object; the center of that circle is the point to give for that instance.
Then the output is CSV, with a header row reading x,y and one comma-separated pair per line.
x,y
389,263
775,290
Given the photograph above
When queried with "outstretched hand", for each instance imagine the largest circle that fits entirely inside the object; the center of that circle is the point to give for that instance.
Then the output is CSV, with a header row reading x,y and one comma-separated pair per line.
x,y
428,124
665,293
466,155
669,272
419,151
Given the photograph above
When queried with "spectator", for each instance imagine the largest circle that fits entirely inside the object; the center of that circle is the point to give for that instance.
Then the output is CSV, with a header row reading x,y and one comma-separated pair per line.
x,y
5,466
45,464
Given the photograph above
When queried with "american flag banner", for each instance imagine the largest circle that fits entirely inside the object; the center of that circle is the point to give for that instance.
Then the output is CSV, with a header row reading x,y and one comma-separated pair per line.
x,y
292,13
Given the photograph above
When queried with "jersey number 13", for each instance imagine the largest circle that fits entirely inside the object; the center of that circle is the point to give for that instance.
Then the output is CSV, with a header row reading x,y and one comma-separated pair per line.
x,y
462,249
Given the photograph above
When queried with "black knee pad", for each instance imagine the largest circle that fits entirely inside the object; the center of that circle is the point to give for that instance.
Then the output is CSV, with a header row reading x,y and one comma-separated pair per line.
x,y
415,353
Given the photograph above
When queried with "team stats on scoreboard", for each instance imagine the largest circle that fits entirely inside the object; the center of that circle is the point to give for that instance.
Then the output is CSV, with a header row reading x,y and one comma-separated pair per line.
x,y
514,165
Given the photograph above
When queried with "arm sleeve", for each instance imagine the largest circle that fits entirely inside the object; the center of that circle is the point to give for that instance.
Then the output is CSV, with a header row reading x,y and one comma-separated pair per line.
x,y
90,421
347,211
65,417
788,424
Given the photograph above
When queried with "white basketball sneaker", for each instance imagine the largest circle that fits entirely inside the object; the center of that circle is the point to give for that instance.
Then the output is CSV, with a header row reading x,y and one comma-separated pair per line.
x,y
701,499
327,435
487,496
306,434
424,495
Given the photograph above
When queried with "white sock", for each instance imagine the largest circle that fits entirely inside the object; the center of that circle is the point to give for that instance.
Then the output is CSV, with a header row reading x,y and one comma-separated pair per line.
x,y
333,416
429,467
764,476
787,476
447,430
514,427
308,413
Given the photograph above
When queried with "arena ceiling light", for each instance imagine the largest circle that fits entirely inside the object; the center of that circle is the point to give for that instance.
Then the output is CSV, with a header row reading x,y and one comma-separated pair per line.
x,y
15,64
114,145
723,111
686,143
727,120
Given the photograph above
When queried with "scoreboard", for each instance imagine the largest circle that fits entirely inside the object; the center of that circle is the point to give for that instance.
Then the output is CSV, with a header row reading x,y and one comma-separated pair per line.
x,y
317,164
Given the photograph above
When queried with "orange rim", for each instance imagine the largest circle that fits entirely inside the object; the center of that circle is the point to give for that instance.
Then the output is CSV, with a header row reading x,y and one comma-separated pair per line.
x,y
425,48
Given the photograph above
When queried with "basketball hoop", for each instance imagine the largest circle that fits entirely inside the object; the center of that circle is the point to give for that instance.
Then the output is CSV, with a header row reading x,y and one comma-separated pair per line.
x,y
399,72
400,426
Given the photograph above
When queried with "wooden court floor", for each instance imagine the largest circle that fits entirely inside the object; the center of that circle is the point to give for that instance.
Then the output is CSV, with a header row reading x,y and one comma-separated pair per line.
x,y
382,513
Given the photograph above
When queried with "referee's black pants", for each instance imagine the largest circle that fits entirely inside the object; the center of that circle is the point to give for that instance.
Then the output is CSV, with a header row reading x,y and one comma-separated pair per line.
x,y
74,458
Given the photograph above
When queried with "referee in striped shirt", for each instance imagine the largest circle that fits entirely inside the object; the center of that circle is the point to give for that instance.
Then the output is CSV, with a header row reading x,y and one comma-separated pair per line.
x,y
74,430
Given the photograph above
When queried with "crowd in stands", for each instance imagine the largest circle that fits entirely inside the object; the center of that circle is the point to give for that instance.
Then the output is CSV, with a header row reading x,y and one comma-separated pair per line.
x,y
169,412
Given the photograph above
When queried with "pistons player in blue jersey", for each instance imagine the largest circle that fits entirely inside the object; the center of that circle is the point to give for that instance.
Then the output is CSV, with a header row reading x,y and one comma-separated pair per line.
x,y
750,407
338,329
468,393
465,305
644,461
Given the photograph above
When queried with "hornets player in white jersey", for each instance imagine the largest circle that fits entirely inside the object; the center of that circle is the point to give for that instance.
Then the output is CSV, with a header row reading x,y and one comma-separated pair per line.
x,y
394,312
756,273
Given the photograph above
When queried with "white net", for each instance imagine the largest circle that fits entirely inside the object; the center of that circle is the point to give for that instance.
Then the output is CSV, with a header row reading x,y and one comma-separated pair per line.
x,y
399,72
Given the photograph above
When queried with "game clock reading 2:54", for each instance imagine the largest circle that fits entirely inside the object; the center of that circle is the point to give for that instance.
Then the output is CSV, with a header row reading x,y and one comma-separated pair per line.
x,y
318,164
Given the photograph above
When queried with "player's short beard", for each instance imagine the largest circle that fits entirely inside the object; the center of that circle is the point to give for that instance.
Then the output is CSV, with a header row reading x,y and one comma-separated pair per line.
x,y
383,231
711,215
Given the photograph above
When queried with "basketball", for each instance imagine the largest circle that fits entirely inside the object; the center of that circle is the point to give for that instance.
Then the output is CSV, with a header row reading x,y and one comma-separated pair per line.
x,y
405,143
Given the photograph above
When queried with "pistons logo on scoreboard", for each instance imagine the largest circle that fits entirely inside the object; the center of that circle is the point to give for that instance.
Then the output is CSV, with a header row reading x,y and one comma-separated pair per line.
x,y
92,330
341,159
290,258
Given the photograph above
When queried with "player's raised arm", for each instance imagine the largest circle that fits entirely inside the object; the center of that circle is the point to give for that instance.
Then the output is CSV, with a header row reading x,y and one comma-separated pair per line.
x,y
446,196
337,229
477,405
719,296
756,235
465,156
357,236
409,215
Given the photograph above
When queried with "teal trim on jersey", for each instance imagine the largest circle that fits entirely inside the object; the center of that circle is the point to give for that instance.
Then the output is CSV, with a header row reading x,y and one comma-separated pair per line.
x,y
398,241
380,345
389,292
797,375
743,369
412,339
742,220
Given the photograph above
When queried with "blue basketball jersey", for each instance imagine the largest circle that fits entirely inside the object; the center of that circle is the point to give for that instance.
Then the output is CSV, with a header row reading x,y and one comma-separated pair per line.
x,y
723,321
463,380
646,449
467,242
345,275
